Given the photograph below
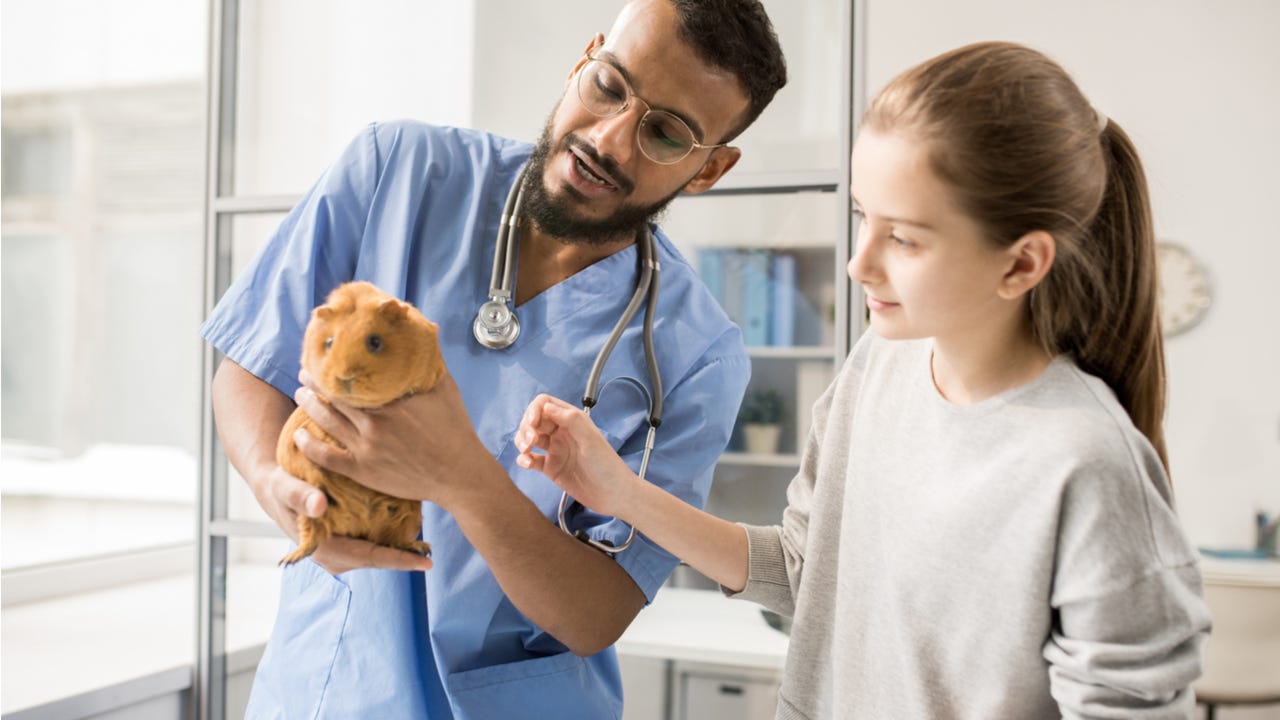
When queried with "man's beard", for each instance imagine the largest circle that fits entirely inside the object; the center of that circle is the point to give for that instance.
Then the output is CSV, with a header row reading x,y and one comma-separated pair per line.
x,y
556,218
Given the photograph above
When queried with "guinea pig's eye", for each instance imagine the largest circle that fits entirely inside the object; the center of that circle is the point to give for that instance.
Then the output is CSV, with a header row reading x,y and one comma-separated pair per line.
x,y
328,343
374,343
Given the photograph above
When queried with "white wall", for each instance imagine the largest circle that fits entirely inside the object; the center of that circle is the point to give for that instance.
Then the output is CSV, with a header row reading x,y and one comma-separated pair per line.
x,y
108,43
312,74
1194,83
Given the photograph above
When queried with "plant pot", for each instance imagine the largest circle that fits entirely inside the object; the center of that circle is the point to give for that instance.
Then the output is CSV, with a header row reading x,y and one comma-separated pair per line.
x,y
761,439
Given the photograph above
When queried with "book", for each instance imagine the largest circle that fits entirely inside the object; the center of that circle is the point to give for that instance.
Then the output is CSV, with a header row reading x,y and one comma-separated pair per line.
x,y
711,269
756,296
782,328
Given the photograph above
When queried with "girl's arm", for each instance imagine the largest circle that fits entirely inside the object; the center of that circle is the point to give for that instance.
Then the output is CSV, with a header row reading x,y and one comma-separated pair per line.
x,y
577,458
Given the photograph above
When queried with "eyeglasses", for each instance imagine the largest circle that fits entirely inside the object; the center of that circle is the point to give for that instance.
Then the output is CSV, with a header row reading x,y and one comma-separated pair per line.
x,y
662,137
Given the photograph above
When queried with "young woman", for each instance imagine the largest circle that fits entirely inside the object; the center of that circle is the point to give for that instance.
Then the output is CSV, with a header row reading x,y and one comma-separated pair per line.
x,y
982,524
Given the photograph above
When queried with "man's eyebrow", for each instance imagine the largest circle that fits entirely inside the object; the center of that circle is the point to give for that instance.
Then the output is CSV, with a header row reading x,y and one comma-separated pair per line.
x,y
609,57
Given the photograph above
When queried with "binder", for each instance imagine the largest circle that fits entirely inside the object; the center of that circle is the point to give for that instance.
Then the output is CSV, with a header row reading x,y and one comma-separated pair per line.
x,y
733,261
711,269
757,297
783,325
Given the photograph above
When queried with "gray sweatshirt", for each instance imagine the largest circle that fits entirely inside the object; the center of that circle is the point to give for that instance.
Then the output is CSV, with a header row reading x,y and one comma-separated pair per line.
x,y
1015,558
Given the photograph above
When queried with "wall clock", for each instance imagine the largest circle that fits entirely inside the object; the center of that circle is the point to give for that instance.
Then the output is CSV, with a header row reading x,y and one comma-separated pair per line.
x,y
1185,294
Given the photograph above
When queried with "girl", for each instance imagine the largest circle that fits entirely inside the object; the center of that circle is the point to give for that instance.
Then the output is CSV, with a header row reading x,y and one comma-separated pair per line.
x,y
982,524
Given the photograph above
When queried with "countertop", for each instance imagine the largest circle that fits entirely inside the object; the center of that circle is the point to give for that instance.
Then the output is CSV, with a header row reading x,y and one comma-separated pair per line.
x,y
704,626
69,651
1264,571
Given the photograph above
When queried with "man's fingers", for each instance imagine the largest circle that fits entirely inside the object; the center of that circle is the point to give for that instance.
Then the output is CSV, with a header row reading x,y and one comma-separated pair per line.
x,y
323,454
298,496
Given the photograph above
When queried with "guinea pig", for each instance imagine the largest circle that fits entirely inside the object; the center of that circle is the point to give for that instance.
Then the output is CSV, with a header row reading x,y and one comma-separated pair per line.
x,y
365,348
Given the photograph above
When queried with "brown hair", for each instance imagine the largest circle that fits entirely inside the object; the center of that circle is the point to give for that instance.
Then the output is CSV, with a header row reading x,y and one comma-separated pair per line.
x,y
1024,150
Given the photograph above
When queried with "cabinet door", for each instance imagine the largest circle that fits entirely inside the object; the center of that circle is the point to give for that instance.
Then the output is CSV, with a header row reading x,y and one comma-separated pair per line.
x,y
775,261
772,261
771,241
714,695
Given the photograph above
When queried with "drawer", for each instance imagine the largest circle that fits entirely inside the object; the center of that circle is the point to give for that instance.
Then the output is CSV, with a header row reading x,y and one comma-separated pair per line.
x,y
723,695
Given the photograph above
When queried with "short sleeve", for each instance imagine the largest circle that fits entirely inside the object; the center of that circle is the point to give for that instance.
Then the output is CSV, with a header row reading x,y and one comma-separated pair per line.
x,y
258,323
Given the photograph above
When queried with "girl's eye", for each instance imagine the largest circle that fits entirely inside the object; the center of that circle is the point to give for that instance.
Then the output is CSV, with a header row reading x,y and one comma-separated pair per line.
x,y
857,216
902,242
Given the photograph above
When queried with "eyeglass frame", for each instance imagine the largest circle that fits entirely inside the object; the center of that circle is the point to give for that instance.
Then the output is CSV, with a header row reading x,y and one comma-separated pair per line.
x,y
648,109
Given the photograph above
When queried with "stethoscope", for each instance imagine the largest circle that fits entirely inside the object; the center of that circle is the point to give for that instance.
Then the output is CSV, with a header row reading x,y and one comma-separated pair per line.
x,y
496,327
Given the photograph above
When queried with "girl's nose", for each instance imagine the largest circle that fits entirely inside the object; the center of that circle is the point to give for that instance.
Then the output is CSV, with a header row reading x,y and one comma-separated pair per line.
x,y
863,264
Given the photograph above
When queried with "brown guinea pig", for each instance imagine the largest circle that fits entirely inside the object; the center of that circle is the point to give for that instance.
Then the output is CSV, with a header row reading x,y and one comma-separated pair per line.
x,y
364,348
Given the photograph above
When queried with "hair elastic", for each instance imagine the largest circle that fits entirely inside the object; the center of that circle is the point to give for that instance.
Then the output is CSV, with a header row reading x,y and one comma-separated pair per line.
x,y
1101,118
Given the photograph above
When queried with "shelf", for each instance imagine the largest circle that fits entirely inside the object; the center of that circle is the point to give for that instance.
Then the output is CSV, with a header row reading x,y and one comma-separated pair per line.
x,y
762,183
792,352
760,459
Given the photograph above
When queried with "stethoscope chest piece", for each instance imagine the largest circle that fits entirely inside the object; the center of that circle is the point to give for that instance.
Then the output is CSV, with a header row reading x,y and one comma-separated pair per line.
x,y
495,326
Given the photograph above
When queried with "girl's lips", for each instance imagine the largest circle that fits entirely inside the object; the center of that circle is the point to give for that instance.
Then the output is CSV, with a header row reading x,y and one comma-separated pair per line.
x,y
877,305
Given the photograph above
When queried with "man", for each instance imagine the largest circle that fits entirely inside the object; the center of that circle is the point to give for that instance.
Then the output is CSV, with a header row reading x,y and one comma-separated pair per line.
x,y
515,617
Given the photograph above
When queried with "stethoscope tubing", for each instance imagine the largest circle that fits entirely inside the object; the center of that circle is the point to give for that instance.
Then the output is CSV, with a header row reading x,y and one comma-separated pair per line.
x,y
501,285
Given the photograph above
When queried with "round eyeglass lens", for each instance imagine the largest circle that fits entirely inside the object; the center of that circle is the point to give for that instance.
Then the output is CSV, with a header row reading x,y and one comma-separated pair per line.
x,y
662,137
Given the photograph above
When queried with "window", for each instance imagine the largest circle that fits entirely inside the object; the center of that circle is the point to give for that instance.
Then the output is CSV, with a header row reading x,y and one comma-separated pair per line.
x,y
101,254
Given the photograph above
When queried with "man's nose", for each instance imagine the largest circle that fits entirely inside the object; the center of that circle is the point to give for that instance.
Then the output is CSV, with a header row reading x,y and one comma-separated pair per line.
x,y
614,137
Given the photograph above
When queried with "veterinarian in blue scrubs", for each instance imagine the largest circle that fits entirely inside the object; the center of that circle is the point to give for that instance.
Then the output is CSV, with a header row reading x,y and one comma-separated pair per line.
x,y
516,618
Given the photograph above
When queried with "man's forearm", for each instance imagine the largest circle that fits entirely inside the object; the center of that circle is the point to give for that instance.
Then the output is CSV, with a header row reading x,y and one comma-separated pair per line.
x,y
576,593
249,414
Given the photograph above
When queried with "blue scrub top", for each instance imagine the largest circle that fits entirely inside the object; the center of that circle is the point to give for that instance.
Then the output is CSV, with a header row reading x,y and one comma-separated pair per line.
x,y
414,209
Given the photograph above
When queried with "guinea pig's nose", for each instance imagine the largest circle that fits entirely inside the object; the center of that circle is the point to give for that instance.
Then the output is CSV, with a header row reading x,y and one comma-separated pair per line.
x,y
346,384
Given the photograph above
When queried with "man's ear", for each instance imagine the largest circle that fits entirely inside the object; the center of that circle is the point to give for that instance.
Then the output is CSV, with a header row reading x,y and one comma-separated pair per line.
x,y
592,46
721,161
1029,261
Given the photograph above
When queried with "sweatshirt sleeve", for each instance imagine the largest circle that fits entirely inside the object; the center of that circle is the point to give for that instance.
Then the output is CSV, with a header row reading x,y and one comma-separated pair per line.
x,y
776,554
1131,622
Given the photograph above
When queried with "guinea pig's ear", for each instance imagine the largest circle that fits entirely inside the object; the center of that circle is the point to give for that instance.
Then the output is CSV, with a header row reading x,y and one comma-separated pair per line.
x,y
323,312
394,310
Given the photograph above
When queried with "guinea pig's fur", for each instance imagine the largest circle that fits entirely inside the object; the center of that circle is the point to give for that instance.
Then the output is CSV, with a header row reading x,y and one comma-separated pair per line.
x,y
365,348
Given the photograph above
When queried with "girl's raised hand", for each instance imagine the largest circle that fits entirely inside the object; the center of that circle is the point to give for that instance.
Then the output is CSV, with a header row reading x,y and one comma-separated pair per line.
x,y
574,455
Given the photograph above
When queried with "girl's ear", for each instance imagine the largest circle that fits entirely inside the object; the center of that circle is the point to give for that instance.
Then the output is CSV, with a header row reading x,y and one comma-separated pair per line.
x,y
1030,259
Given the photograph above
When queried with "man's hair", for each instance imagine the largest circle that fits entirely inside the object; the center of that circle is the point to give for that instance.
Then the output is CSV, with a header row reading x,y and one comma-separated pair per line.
x,y
737,36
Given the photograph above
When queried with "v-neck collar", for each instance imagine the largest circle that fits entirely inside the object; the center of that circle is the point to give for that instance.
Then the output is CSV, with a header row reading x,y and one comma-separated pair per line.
x,y
609,280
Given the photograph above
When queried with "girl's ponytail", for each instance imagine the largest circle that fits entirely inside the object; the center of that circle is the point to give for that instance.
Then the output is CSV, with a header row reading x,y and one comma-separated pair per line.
x,y
1123,345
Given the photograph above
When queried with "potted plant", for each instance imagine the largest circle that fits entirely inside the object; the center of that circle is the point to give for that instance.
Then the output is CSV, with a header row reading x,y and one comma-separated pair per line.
x,y
761,417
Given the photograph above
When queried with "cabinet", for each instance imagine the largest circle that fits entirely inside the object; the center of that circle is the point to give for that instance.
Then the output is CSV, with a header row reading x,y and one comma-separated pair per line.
x,y
709,691
696,654
772,241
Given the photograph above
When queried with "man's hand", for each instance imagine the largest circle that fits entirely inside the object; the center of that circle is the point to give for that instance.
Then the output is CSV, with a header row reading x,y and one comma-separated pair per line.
x,y
424,448
421,447
250,414
284,497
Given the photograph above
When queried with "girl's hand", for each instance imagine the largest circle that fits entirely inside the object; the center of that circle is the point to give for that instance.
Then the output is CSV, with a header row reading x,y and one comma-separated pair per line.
x,y
575,455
